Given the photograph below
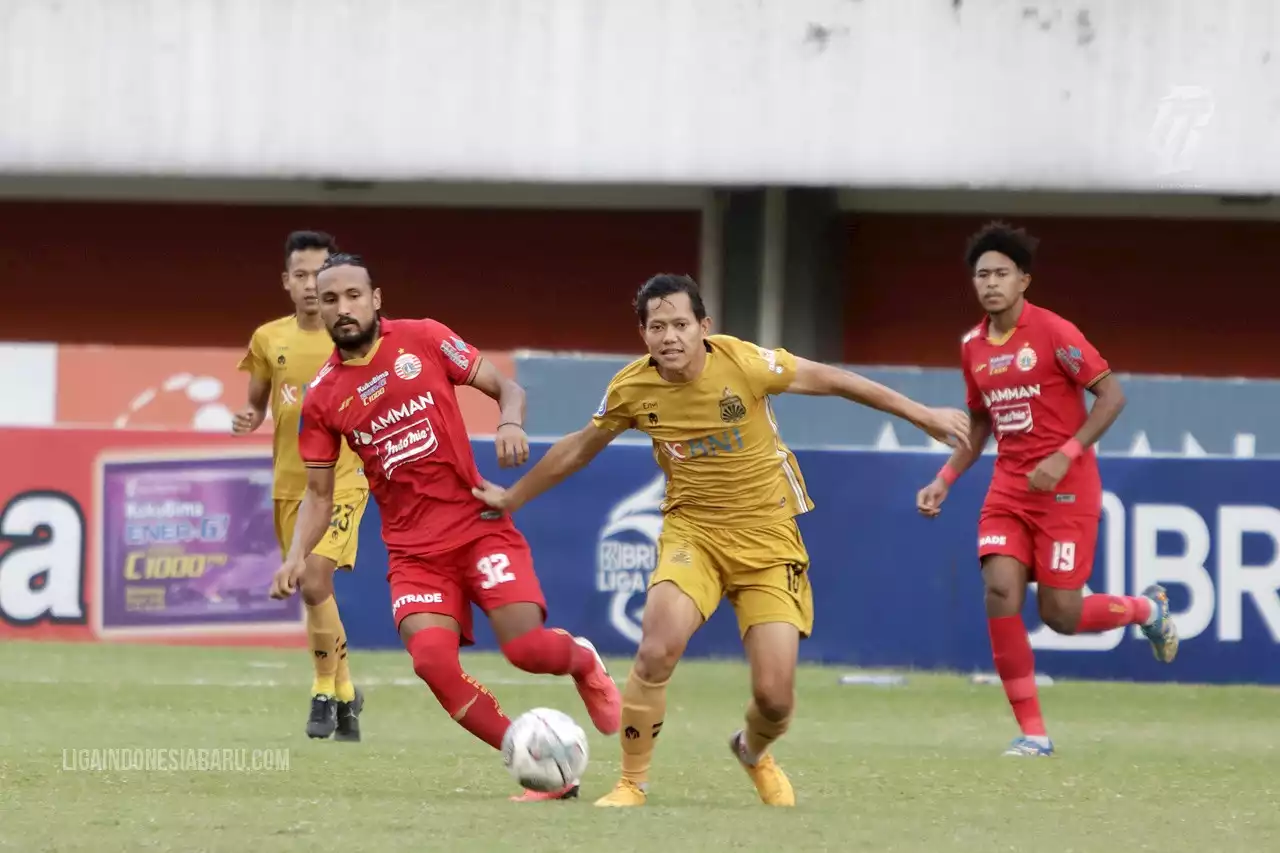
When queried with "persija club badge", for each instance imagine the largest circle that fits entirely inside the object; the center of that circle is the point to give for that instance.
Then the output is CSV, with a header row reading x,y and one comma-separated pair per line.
x,y
408,366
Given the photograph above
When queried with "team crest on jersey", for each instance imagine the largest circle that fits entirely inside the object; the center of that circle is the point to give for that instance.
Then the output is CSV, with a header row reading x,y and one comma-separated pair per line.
x,y
1026,358
408,366
731,408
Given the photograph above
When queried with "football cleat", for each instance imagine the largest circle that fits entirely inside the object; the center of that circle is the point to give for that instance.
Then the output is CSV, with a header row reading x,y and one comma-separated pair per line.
x,y
324,716
348,719
1162,633
624,795
600,694
771,783
1026,747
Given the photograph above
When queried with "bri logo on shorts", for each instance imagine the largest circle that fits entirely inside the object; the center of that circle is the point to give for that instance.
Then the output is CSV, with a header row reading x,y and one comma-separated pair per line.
x,y
417,598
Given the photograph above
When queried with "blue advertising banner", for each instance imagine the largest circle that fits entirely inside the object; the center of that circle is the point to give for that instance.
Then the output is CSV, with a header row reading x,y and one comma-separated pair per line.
x,y
893,589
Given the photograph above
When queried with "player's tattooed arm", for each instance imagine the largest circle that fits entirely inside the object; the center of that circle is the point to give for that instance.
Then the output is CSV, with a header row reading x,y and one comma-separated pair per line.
x,y
567,456
252,415
813,378
313,520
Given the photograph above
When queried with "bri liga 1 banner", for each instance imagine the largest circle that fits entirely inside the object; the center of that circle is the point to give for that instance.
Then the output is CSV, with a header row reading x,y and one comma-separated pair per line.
x,y
167,537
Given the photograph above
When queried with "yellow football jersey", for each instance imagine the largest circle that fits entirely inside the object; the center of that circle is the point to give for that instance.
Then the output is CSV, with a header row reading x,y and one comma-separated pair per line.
x,y
716,438
290,357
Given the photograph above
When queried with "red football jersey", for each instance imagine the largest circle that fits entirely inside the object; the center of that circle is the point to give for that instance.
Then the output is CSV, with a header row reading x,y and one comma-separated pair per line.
x,y
1031,384
398,410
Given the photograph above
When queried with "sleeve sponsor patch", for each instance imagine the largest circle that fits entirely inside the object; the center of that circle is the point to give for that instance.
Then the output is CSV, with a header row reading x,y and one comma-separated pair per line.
x,y
453,353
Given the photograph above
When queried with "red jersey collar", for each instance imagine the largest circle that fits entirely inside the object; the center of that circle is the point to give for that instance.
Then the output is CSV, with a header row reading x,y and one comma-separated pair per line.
x,y
1024,319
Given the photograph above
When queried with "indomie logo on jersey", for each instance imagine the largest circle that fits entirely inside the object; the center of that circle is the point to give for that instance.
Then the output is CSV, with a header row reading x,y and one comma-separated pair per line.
x,y
1008,395
411,438
404,410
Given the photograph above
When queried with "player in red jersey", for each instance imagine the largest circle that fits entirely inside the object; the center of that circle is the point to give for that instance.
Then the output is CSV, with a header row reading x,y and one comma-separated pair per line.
x,y
389,391
1026,370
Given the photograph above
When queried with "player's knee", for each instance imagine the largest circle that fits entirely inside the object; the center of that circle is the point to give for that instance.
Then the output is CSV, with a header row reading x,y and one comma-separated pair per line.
x,y
316,583
437,670
656,658
776,698
1002,600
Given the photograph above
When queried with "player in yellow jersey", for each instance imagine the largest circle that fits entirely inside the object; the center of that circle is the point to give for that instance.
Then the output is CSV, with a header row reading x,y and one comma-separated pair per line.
x,y
284,356
729,530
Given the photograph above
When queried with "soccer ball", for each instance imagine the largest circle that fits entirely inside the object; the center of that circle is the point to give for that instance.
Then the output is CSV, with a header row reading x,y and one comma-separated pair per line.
x,y
545,750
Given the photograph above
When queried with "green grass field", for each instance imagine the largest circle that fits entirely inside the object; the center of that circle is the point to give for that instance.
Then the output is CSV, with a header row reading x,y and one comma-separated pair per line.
x,y
911,768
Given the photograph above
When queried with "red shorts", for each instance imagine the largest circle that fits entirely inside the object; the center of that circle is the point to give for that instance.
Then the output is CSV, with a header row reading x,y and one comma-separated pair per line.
x,y
1057,545
494,569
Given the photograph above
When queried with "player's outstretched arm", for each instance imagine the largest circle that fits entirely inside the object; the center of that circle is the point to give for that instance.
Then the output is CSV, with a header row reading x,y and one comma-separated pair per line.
x,y
567,456
313,520
511,441
813,378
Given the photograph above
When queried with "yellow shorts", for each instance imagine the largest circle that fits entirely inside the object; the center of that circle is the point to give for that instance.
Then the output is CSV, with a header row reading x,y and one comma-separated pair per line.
x,y
340,541
763,571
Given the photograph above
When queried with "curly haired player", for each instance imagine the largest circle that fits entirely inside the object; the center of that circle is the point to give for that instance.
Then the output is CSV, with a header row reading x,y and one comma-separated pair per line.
x,y
1026,370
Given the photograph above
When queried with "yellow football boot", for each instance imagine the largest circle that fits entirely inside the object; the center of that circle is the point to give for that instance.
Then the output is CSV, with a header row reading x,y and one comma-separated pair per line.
x,y
626,793
771,783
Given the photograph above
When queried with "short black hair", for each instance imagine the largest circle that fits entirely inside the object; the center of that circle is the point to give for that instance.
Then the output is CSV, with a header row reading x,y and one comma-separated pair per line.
x,y
667,284
300,241
1014,243
345,259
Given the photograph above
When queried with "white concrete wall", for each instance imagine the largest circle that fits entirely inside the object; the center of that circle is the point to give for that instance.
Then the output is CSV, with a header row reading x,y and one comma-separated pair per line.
x,y
1115,94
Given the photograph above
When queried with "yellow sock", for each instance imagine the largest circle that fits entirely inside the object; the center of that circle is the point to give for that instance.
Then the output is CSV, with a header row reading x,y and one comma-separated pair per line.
x,y
344,689
644,706
761,732
322,634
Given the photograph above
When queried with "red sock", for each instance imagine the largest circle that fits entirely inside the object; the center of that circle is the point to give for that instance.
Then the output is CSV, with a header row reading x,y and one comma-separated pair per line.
x,y
1016,666
1104,612
435,660
549,651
